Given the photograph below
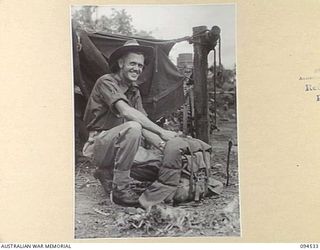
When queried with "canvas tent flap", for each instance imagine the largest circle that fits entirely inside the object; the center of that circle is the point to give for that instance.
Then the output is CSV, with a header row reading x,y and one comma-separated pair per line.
x,y
92,62
77,78
161,84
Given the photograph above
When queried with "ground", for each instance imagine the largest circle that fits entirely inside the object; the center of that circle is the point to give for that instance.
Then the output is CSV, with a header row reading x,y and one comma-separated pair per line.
x,y
97,217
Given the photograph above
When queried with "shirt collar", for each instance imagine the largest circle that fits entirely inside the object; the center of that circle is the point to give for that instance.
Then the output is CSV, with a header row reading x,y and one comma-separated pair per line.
x,y
123,85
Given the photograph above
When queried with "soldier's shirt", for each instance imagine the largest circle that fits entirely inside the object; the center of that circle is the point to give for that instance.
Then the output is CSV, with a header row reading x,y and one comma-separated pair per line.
x,y
101,113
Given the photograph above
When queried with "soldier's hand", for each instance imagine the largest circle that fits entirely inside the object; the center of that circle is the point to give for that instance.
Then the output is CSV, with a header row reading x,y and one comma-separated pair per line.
x,y
167,135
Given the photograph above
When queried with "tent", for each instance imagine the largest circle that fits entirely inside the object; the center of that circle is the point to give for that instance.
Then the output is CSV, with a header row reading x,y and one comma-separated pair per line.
x,y
161,85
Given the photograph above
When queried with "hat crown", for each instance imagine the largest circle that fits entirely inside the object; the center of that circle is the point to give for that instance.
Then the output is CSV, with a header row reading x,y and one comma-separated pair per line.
x,y
133,46
132,42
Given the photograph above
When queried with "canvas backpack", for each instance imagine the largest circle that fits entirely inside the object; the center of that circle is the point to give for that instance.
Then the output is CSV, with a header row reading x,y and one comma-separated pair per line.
x,y
196,181
190,181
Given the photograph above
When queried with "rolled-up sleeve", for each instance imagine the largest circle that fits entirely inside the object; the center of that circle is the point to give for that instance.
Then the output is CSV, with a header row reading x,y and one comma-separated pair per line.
x,y
110,93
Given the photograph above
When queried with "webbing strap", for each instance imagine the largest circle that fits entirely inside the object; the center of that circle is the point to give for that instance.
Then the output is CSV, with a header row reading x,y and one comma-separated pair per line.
x,y
191,174
206,171
194,190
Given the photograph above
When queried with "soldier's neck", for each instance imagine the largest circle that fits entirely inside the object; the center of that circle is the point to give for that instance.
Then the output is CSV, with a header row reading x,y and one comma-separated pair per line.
x,y
125,81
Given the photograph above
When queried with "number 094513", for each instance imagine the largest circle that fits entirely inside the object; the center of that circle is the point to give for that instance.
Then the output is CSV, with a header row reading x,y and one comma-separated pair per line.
x,y
309,246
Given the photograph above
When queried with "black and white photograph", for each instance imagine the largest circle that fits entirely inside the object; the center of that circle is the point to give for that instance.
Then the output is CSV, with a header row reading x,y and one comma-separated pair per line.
x,y
155,121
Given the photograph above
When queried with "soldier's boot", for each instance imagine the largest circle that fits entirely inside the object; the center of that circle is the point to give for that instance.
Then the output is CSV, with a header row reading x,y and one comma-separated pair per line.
x,y
122,192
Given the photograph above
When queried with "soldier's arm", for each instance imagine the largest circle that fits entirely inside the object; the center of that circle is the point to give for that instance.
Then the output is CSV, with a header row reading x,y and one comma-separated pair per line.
x,y
132,114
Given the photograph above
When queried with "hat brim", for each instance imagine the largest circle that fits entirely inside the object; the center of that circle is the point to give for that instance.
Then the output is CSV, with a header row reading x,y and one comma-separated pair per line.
x,y
147,51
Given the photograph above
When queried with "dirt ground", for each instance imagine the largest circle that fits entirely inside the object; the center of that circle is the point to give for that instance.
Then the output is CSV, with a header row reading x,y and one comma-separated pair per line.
x,y
97,217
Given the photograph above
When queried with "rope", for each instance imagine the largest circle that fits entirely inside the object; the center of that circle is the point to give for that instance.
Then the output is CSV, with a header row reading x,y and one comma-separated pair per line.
x,y
156,58
182,39
177,40
215,88
220,64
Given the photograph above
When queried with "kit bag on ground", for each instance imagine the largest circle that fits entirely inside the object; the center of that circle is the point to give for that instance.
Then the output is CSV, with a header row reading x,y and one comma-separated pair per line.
x,y
184,179
196,181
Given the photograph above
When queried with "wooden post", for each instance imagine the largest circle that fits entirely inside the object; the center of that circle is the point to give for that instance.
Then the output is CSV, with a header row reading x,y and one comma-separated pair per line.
x,y
200,85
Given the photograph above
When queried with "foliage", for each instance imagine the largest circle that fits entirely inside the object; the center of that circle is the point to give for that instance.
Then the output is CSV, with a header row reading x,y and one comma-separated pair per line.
x,y
224,76
119,22
83,17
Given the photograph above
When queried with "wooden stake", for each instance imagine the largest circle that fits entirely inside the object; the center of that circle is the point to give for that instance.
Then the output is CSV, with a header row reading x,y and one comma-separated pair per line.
x,y
228,162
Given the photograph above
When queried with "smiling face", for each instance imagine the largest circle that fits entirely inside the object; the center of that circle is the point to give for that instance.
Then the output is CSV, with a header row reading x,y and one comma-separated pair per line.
x,y
131,66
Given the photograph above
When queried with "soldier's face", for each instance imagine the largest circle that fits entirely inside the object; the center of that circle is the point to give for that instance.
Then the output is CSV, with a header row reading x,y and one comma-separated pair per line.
x,y
131,66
